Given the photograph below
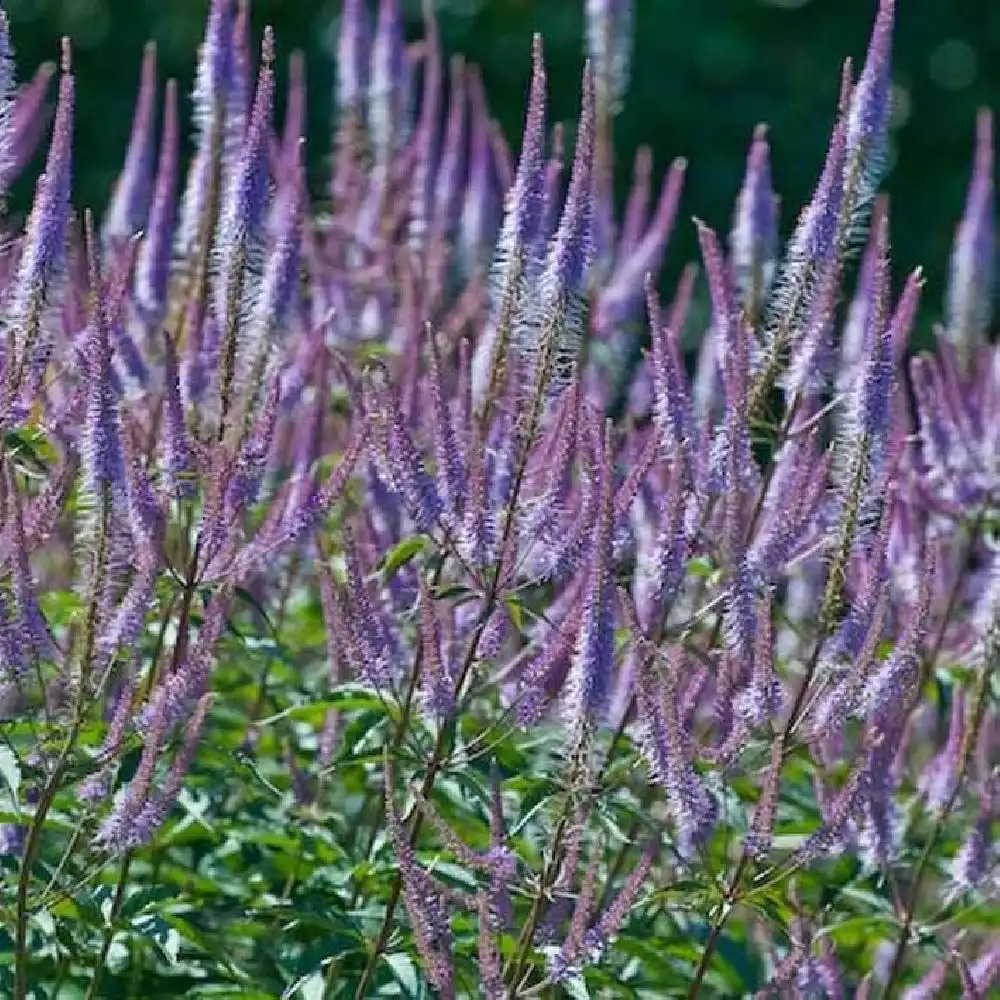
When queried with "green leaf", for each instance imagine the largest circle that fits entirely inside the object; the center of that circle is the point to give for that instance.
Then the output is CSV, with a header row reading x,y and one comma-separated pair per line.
x,y
401,553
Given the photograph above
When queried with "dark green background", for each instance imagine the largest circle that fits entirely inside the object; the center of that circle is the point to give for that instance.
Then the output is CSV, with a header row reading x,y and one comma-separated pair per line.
x,y
704,72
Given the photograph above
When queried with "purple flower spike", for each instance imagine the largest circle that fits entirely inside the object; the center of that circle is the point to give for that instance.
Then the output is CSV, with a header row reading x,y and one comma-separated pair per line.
x,y
624,288
243,204
177,451
353,55
6,96
127,212
572,247
476,232
868,121
101,448
387,93
426,138
438,684
558,321
153,262
27,124
239,90
753,243
594,653
281,273
666,745
42,250
155,810
523,215
215,66
971,284
526,204
213,80
940,778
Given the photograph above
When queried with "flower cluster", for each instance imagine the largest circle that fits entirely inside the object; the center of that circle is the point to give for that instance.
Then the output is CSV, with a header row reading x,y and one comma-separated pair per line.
x,y
740,623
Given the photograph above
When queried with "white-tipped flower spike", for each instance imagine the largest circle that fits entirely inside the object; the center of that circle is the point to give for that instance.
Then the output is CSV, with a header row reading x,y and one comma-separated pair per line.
x,y
6,96
523,212
353,54
41,256
387,94
153,261
972,282
753,242
868,120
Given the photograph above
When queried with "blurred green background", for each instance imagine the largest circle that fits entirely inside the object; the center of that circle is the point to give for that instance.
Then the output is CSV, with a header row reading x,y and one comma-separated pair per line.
x,y
704,72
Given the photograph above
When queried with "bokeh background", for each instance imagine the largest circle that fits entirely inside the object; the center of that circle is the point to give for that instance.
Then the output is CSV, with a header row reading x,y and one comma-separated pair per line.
x,y
704,72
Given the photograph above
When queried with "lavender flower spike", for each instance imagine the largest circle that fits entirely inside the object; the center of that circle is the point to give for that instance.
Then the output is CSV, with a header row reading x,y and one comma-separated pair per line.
x,y
101,450
559,321
215,60
387,93
127,211
42,250
868,120
240,223
969,305
153,261
6,96
753,243
594,652
352,58
523,214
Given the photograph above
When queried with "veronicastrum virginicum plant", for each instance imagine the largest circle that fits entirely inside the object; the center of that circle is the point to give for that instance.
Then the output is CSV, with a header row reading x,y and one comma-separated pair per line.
x,y
387,611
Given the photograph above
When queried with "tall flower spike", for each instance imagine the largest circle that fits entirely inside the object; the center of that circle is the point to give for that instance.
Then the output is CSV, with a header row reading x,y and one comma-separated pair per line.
x,y
239,91
523,212
448,456
940,777
28,123
438,683
6,99
153,262
552,336
177,450
476,232
214,64
816,239
274,300
594,652
971,284
353,45
199,203
424,905
240,222
665,744
753,242
868,120
156,809
101,448
387,92
41,251
426,138
624,287
127,212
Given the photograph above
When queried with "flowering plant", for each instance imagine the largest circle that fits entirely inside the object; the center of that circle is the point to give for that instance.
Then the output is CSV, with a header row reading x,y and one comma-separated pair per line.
x,y
386,608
